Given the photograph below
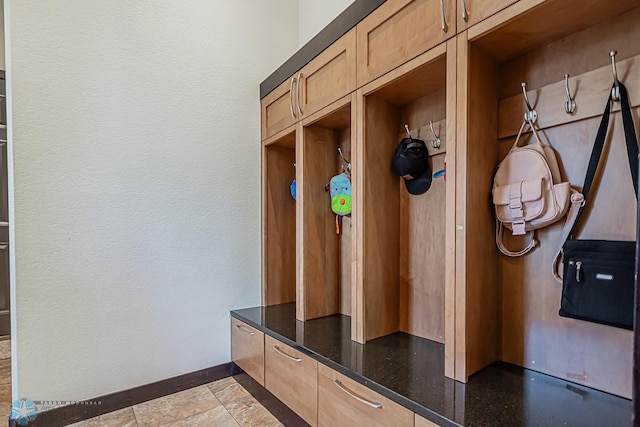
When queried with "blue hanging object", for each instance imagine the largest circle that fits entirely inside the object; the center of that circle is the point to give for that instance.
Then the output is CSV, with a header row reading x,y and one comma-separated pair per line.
x,y
292,189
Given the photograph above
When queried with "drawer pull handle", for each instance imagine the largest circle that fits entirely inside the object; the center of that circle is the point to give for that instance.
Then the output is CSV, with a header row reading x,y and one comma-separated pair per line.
x,y
298,92
282,353
445,27
465,14
293,114
356,397
245,330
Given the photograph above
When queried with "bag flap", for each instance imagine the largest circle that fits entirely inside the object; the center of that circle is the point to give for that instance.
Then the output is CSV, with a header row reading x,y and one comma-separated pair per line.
x,y
529,191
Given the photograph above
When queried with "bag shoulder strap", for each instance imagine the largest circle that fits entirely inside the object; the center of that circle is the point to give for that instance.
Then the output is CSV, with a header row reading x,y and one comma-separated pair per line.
x,y
577,205
630,138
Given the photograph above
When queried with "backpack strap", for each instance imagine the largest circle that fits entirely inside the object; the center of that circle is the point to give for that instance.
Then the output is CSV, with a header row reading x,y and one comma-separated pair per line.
x,y
503,248
577,207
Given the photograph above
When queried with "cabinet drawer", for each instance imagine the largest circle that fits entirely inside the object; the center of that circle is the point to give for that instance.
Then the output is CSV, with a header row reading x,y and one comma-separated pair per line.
x,y
278,108
398,31
247,349
330,76
293,378
343,402
477,10
423,422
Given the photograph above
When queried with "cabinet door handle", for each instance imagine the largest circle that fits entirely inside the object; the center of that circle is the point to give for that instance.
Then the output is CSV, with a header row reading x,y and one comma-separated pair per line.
x,y
298,92
375,405
282,353
445,27
245,330
293,114
465,14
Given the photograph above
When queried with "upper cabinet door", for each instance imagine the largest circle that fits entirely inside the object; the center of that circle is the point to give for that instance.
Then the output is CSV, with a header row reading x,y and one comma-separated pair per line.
x,y
279,110
471,12
328,77
400,30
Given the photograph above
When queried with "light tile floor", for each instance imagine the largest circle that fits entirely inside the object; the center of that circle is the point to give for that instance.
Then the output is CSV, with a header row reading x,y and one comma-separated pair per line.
x,y
223,403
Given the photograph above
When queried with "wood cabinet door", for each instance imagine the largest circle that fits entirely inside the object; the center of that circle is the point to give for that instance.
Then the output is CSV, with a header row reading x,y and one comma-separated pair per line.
x,y
471,12
344,402
400,30
247,349
293,378
279,108
329,77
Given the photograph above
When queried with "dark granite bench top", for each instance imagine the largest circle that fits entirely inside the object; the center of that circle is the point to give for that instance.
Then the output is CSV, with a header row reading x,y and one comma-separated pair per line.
x,y
410,371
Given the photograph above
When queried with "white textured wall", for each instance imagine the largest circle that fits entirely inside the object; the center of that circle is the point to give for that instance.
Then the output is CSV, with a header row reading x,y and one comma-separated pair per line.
x,y
137,184
314,15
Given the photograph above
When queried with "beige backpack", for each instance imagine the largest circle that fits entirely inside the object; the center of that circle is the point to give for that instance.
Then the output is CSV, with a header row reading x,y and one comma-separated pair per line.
x,y
527,191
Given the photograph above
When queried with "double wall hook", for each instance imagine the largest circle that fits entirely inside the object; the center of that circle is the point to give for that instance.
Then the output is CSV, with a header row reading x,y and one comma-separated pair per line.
x,y
570,105
436,142
531,115
615,91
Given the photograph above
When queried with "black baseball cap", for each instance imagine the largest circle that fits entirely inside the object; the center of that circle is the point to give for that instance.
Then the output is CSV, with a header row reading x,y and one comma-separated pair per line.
x,y
411,162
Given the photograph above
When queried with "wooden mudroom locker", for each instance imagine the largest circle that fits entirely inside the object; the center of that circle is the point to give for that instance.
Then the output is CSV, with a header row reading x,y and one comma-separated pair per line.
x,y
404,312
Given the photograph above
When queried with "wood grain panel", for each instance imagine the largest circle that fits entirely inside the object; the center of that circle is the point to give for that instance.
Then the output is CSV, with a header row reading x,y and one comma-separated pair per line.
x,y
481,297
336,408
398,31
461,174
417,113
335,116
450,215
594,87
424,133
346,238
247,349
405,83
570,56
293,379
409,83
477,10
276,110
321,252
381,217
330,76
279,222
359,222
423,422
422,228
422,251
533,334
529,24
324,132
300,230
354,311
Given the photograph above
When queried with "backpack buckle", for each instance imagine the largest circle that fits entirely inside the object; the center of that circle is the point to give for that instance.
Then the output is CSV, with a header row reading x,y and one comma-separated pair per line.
x,y
518,228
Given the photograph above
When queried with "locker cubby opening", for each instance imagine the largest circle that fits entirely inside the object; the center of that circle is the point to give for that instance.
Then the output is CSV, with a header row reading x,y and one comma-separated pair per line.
x,y
326,255
279,221
404,235
514,302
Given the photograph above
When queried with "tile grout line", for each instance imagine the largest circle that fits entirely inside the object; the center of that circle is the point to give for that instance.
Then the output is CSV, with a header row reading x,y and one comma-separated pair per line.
x,y
196,413
225,406
135,418
227,411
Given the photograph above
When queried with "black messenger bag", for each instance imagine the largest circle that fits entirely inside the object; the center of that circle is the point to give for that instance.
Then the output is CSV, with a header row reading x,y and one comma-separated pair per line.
x,y
599,275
